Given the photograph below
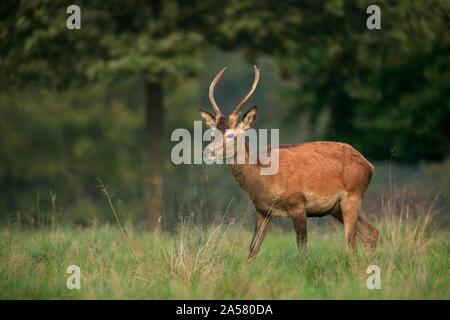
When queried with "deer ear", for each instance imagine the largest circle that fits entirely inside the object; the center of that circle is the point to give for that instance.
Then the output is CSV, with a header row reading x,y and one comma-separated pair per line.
x,y
207,118
249,118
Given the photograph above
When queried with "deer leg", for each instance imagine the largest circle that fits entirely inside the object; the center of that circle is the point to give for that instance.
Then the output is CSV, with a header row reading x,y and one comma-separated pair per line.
x,y
367,232
300,227
350,206
262,221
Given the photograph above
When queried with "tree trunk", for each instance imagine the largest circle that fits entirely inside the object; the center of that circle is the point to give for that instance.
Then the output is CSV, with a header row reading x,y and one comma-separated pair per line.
x,y
154,131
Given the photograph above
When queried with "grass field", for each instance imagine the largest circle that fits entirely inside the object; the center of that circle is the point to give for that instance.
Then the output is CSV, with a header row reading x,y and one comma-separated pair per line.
x,y
210,263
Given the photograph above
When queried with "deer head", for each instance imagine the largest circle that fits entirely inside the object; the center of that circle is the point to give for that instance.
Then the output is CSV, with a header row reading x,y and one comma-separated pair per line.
x,y
226,132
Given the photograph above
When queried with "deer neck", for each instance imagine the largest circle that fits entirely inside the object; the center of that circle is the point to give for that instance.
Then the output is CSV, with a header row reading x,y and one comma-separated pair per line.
x,y
247,175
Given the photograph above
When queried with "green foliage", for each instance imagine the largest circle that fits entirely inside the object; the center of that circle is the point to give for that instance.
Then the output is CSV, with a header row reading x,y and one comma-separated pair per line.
x,y
116,40
65,144
384,91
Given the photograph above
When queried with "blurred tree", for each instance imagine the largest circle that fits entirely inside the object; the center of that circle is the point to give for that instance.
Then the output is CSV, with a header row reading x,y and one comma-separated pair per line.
x,y
149,39
384,91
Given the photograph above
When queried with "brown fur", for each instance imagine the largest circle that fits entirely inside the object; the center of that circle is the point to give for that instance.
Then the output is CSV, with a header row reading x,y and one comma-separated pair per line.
x,y
314,179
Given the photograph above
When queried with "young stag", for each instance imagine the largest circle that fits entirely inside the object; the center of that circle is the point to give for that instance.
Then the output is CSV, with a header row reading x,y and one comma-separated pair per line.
x,y
313,180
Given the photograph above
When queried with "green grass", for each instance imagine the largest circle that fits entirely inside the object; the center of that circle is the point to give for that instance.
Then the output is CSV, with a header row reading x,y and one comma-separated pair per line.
x,y
211,263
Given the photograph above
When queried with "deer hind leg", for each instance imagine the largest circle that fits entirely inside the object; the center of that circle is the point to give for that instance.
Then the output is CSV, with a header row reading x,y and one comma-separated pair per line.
x,y
262,221
368,233
350,206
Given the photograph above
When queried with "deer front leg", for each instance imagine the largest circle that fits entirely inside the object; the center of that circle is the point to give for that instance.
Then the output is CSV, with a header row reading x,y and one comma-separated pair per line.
x,y
262,221
299,221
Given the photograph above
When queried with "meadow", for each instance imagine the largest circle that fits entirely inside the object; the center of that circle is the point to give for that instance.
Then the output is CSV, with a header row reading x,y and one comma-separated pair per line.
x,y
79,108
121,262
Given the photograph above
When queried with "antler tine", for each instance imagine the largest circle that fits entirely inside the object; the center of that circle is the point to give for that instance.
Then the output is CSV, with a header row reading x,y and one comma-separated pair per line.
x,y
255,83
211,92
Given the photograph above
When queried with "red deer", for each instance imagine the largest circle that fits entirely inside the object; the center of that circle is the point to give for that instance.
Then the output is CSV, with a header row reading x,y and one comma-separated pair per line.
x,y
313,179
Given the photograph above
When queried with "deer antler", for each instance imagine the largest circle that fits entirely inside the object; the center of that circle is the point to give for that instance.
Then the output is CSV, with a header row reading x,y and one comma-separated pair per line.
x,y
241,104
211,92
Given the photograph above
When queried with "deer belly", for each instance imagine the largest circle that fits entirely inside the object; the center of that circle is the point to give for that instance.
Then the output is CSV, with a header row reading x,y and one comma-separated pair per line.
x,y
322,205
